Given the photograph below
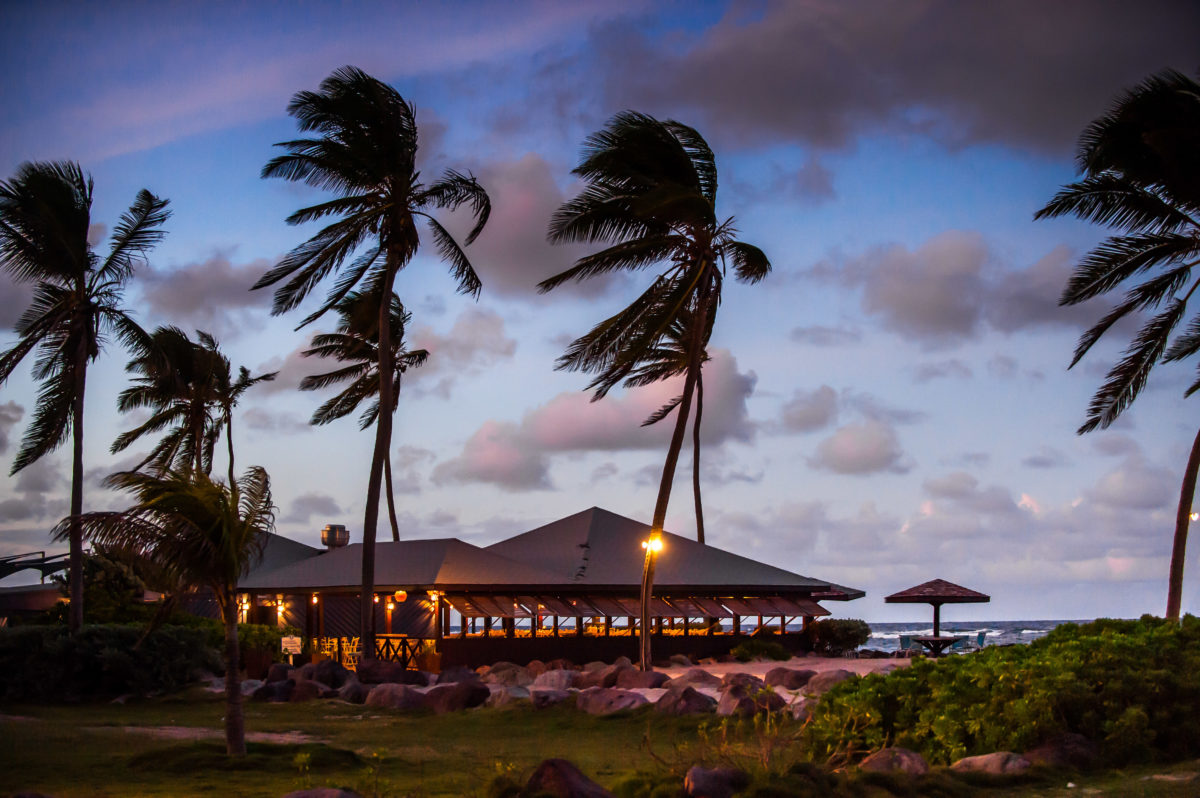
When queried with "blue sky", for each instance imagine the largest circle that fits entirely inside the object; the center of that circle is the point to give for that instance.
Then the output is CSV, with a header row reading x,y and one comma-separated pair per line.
x,y
892,405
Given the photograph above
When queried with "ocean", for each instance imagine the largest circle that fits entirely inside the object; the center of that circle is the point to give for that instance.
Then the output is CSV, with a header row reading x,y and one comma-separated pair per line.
x,y
886,636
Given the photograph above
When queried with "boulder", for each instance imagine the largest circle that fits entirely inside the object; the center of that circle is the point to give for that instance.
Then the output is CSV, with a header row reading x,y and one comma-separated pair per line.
x,y
802,708
561,664
1001,763
249,686
306,691
687,701
559,679
606,700
747,681
508,674
390,695
373,671
354,692
323,792
626,661
330,673
1068,750
547,698
681,660
714,782
457,696
536,667
696,677
745,703
594,665
277,692
561,779
896,760
604,678
503,696
788,678
640,680
457,674
278,672
820,684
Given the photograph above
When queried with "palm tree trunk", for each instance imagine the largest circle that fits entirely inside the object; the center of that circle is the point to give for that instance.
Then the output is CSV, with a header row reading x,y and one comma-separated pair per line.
x,y
229,447
1182,517
235,721
391,500
75,575
696,457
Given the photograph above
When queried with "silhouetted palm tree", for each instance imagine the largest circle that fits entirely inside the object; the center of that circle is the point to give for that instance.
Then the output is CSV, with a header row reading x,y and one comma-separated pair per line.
x,y
45,212
650,194
356,342
366,152
204,534
1141,167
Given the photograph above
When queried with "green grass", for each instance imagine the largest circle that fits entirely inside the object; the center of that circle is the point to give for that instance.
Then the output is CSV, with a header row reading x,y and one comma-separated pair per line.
x,y
86,751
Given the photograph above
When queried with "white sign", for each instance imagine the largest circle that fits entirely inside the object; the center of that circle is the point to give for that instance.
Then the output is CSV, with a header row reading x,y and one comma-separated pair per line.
x,y
291,645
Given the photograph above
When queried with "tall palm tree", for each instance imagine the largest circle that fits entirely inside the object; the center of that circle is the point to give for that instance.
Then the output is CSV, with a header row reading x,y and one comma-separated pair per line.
x,y
1141,174
365,150
650,195
45,212
204,534
356,342
228,392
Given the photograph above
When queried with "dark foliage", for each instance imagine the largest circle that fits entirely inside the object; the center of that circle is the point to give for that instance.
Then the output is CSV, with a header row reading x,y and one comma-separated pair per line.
x,y
836,636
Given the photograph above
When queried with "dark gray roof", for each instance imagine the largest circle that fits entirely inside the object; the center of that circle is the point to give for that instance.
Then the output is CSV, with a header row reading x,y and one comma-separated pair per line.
x,y
441,562
600,548
278,552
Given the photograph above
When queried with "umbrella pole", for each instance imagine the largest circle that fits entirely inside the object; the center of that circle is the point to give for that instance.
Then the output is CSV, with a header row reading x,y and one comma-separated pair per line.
x,y
937,619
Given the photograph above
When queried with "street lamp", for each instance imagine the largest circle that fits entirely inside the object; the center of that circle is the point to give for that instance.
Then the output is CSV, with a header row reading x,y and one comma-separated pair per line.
x,y
652,546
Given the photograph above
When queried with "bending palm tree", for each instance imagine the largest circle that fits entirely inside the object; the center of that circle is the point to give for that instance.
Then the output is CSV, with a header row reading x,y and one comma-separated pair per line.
x,y
45,212
356,341
366,151
650,195
201,533
1141,165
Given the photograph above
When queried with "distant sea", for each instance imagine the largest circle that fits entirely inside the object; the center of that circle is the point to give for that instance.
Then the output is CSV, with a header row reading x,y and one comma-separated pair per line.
x,y
886,636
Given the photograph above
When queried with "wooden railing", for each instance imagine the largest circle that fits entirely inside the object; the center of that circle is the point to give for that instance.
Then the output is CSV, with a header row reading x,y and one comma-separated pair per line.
x,y
388,648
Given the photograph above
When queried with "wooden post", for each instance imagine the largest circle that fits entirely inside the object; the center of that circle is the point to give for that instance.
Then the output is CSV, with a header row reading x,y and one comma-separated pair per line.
x,y
578,626
487,626
607,626
556,626
737,624
510,627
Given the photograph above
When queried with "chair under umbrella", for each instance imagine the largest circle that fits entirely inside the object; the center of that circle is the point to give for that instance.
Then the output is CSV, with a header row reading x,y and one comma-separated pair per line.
x,y
937,592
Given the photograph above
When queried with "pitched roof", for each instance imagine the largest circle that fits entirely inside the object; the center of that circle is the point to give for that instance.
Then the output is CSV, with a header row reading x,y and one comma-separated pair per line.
x,y
438,562
937,591
278,552
599,548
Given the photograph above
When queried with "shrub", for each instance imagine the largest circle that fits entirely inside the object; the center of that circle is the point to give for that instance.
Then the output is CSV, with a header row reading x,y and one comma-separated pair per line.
x,y
836,636
45,663
759,649
1131,686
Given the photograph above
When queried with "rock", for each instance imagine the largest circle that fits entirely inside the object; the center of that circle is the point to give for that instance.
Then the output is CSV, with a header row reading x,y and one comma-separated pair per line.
x,y
896,760
278,672
696,677
503,696
548,698
373,671
872,653
390,695
594,666
354,692
747,681
457,696
556,680
561,779
604,678
331,673
640,680
820,684
536,667
788,678
323,792
688,701
276,692
561,664
802,709
249,686
714,783
606,700
740,701
626,661
508,674
306,691
1067,750
1001,763
681,660
457,674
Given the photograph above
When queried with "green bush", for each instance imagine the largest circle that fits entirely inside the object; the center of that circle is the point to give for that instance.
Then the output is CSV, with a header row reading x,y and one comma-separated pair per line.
x,y
45,663
756,648
1131,686
835,636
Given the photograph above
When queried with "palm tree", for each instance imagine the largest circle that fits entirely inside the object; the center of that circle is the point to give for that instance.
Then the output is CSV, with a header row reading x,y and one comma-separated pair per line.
x,y
204,534
650,195
45,212
228,392
1141,174
356,341
366,151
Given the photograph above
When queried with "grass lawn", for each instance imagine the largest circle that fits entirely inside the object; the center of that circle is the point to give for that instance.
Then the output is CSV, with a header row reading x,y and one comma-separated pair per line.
x,y
97,750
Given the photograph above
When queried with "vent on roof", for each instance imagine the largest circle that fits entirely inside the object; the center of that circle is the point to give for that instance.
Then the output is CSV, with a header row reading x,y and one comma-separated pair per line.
x,y
334,536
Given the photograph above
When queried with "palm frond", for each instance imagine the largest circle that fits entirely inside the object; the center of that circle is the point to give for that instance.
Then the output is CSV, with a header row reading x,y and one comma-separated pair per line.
x,y
52,419
138,230
1112,199
662,412
1187,344
750,264
455,189
1121,257
627,255
460,266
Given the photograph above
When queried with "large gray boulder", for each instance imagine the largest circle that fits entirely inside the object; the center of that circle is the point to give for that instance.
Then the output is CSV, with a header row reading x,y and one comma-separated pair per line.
x,y
703,782
508,674
248,686
374,671
307,691
561,779
747,681
390,695
278,672
502,696
686,701
354,692
1067,750
788,678
457,696
896,760
822,682
457,674
640,680
547,698
802,708
556,680
746,703
607,700
1001,763
681,660
275,692
696,677
330,673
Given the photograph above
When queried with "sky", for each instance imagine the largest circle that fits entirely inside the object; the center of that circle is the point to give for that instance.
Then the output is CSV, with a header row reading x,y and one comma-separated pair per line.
x,y
891,405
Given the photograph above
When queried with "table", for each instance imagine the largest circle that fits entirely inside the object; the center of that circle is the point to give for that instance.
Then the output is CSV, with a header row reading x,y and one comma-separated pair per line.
x,y
936,644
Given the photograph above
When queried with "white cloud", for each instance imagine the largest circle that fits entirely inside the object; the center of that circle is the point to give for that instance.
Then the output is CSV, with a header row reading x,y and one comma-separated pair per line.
x,y
866,447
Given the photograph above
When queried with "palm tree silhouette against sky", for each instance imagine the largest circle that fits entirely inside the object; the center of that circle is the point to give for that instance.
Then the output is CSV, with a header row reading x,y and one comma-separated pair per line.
x,y
366,152
356,342
45,213
199,533
650,195
1141,174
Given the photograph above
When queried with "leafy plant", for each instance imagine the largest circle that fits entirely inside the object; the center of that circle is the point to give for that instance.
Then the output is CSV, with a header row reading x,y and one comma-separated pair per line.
x,y
759,649
836,636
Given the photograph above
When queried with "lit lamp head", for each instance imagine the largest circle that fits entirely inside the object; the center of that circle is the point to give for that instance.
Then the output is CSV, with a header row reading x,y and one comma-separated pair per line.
x,y
400,596
391,606
315,599
1195,516
653,545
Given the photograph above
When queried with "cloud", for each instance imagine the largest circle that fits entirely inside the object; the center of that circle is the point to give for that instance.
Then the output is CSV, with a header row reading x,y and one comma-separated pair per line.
x,y
37,485
604,471
953,368
962,490
292,367
477,341
1028,297
306,505
1115,444
1046,457
807,411
819,335
212,295
866,447
496,454
872,408
10,416
1135,484
1002,367
406,478
263,419
14,299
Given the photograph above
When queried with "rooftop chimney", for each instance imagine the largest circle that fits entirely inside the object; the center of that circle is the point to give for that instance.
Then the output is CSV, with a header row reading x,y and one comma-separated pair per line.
x,y
334,536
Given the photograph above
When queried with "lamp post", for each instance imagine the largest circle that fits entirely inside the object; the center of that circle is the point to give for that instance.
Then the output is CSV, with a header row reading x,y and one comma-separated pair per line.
x,y
652,546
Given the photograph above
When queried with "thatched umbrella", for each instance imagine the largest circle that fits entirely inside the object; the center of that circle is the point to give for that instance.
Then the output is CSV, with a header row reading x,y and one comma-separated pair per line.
x,y
937,592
